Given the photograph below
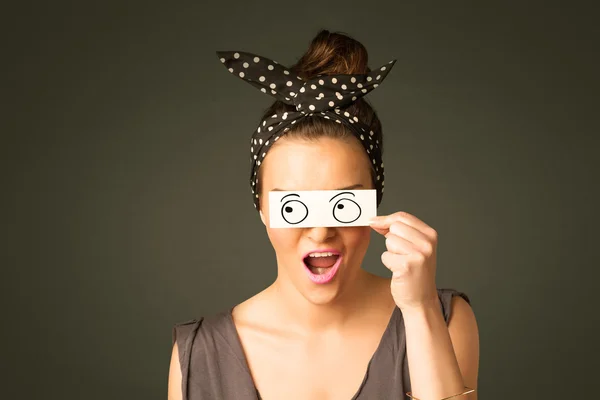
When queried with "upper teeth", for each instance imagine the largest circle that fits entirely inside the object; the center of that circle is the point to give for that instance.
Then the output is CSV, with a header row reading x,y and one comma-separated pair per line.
x,y
320,254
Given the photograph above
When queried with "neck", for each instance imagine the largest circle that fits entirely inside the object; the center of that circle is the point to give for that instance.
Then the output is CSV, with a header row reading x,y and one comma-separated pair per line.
x,y
298,312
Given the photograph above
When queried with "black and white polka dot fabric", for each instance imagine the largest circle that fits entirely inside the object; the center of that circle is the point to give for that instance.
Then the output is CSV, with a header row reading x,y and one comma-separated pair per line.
x,y
325,96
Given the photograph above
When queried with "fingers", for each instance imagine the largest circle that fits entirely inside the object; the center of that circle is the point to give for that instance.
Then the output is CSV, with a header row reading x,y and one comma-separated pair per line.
x,y
392,261
408,232
381,231
399,264
385,221
398,245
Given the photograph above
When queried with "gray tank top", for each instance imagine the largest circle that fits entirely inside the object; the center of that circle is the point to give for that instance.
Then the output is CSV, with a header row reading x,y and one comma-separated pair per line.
x,y
213,364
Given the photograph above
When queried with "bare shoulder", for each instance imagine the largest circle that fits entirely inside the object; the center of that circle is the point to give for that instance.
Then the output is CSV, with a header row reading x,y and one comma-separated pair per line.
x,y
464,334
461,307
462,317
259,313
250,310
174,383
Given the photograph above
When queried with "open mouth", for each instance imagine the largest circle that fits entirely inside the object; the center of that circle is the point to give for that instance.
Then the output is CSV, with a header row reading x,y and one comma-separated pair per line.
x,y
320,263
322,266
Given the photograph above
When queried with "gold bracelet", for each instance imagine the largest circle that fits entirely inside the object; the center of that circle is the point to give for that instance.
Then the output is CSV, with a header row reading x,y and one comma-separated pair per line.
x,y
469,390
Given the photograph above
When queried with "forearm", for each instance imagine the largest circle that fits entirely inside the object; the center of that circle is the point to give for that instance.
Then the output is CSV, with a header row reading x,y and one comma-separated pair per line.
x,y
433,368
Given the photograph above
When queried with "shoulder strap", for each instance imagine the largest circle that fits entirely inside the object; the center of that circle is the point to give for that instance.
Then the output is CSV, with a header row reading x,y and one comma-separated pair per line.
x,y
445,296
184,334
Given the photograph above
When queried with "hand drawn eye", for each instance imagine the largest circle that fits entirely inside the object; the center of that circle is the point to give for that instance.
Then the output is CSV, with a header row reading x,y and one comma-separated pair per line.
x,y
294,211
346,211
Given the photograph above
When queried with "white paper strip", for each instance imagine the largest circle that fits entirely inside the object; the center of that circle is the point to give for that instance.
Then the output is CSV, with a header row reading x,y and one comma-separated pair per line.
x,y
314,208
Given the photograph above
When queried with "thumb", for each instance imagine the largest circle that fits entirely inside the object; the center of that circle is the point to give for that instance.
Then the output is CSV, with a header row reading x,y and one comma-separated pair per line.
x,y
379,225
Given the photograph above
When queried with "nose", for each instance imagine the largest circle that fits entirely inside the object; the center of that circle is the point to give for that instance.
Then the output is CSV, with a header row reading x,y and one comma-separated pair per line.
x,y
320,234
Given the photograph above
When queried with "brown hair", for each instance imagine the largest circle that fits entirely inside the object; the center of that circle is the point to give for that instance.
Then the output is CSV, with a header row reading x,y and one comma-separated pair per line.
x,y
329,53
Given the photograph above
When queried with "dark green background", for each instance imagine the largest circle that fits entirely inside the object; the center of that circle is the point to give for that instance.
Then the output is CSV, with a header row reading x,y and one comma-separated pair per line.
x,y
128,207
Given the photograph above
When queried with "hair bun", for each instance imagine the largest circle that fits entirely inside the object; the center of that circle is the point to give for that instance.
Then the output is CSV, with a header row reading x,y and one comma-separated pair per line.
x,y
330,54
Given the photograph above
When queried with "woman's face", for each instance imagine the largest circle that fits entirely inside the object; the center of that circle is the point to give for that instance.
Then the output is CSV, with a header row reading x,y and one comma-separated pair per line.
x,y
323,164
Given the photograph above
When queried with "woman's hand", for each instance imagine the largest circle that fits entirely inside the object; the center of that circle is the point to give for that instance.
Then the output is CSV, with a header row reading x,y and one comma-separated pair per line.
x,y
411,256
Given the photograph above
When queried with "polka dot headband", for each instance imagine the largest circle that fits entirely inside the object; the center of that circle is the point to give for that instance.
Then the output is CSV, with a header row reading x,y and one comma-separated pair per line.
x,y
323,96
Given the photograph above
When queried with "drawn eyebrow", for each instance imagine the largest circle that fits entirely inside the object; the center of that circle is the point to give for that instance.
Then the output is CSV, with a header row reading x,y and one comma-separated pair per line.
x,y
291,194
339,194
358,185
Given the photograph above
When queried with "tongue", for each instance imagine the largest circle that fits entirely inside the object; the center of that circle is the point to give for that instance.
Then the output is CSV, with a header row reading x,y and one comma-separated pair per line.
x,y
321,262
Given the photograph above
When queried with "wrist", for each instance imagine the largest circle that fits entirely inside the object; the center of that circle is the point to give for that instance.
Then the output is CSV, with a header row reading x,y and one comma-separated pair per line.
x,y
422,308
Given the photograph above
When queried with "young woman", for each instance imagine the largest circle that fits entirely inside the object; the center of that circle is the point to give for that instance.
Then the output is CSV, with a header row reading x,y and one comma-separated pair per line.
x,y
353,335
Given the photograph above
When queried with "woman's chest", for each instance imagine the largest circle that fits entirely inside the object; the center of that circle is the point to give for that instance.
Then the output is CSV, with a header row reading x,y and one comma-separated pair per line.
x,y
319,369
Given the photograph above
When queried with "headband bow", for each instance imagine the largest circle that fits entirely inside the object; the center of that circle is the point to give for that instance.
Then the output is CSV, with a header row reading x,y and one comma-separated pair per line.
x,y
324,95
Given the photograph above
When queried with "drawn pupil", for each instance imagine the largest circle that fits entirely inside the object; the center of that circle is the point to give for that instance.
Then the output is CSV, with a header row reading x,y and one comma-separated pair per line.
x,y
349,215
288,209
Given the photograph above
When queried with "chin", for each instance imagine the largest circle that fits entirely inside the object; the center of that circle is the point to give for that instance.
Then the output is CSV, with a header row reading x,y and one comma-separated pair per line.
x,y
321,296
323,293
